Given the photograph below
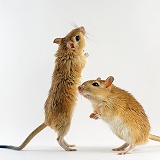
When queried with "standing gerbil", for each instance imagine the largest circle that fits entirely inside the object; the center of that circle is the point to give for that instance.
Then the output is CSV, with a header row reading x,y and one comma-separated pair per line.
x,y
124,114
59,106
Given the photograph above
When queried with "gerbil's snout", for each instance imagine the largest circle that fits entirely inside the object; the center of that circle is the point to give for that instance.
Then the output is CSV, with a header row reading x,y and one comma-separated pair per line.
x,y
83,29
80,88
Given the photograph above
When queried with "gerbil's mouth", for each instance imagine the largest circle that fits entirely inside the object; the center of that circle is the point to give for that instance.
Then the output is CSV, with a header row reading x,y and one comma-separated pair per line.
x,y
85,95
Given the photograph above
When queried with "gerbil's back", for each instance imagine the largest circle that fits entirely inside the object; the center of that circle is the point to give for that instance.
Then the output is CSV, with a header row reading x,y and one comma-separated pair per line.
x,y
63,93
131,112
126,105
69,63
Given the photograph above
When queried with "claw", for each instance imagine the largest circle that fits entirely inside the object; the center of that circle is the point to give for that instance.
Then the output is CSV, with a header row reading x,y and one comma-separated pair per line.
x,y
86,55
94,116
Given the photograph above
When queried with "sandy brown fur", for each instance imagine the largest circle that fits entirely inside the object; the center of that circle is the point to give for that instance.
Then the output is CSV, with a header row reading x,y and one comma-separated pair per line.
x,y
62,97
120,110
59,106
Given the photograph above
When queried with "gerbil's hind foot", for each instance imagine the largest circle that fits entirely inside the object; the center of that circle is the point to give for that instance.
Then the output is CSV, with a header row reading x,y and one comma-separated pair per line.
x,y
63,143
127,151
68,145
70,149
121,148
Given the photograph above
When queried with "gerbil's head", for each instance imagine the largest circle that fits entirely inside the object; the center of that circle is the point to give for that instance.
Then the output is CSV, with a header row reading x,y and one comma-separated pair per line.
x,y
96,90
73,41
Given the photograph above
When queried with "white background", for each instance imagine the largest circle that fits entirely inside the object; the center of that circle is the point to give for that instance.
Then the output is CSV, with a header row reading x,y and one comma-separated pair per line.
x,y
124,41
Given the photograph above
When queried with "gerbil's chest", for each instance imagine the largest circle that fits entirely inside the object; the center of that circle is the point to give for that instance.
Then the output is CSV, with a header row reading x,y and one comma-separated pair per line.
x,y
79,61
114,122
72,62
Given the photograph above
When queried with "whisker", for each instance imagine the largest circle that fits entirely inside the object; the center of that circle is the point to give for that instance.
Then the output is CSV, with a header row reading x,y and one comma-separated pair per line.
x,y
90,34
73,24
89,38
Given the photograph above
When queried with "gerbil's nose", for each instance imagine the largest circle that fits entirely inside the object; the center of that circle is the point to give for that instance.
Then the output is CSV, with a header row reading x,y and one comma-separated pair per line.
x,y
79,88
83,29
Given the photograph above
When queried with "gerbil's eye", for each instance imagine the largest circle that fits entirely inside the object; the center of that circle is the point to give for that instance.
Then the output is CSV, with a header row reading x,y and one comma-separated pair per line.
x,y
77,38
95,84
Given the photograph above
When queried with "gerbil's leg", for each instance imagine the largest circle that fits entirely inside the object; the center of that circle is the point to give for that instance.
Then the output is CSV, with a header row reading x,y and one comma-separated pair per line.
x,y
63,144
127,151
61,133
121,148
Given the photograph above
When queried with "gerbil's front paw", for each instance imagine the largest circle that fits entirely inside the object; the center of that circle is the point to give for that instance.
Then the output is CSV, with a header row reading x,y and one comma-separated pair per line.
x,y
94,116
86,55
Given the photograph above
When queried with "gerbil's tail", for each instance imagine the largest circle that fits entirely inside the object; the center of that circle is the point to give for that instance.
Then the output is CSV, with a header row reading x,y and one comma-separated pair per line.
x,y
155,138
27,140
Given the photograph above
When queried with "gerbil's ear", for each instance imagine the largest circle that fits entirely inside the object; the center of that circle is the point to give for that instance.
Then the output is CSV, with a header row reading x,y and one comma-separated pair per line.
x,y
109,81
70,45
98,79
58,40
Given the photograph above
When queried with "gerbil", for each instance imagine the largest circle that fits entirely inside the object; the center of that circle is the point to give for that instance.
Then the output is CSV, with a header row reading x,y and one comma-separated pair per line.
x,y
59,106
124,114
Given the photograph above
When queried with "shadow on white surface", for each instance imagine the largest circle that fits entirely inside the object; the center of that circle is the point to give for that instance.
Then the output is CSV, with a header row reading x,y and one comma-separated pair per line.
x,y
85,153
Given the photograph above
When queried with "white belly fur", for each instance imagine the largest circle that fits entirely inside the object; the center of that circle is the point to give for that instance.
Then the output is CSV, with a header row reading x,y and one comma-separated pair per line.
x,y
119,128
